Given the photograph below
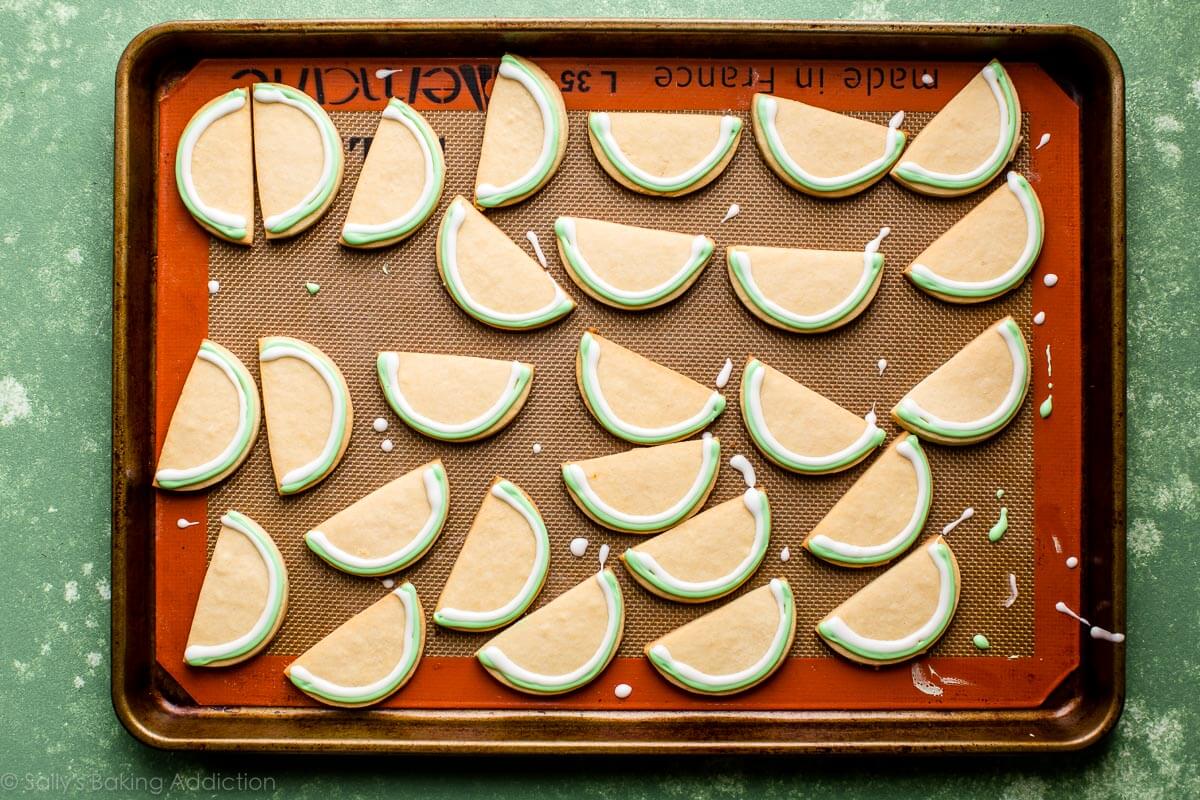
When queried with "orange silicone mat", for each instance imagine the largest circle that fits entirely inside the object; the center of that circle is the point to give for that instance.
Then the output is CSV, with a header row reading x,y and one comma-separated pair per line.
x,y
391,299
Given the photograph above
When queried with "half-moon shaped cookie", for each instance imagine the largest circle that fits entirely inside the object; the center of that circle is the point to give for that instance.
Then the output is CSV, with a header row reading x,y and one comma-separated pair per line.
x,y
799,429
214,424
804,291
308,411
627,267
491,278
822,152
969,141
369,657
390,528
988,252
647,489
901,613
563,645
298,159
882,514
502,564
638,400
214,167
975,394
524,136
453,398
243,599
707,556
663,154
732,648
400,183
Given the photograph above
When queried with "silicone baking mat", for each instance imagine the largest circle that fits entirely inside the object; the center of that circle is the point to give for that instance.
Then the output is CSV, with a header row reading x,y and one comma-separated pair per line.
x,y
392,299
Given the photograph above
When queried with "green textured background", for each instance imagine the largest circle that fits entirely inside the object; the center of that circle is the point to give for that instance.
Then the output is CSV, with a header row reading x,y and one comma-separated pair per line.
x,y
56,722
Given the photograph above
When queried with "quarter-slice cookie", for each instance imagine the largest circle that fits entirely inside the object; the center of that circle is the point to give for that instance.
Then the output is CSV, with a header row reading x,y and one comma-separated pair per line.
x,y
732,648
493,279
975,394
822,152
298,159
707,556
563,645
882,514
647,489
663,154
799,429
390,528
214,167
214,424
243,599
969,141
900,614
453,398
308,411
367,658
524,136
400,183
502,564
637,399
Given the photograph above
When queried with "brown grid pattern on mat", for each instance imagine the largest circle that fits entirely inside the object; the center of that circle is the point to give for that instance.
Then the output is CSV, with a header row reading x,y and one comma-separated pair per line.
x,y
361,309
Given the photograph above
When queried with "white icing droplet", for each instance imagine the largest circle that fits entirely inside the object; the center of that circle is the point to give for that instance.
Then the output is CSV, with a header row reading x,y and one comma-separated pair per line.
x,y
537,448
967,513
1012,590
1057,544
725,374
380,424
1045,140
623,690
386,445
1062,608
383,73
1072,562
579,546
537,248
1050,279
873,245
1039,318
743,465
185,523
214,287
1108,636
1049,364
927,79
896,121
603,554
388,583
881,365
385,270
734,210
785,554
922,683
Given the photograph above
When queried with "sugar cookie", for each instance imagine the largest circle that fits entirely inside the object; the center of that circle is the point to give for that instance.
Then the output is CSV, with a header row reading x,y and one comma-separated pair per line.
x,y
214,167
663,154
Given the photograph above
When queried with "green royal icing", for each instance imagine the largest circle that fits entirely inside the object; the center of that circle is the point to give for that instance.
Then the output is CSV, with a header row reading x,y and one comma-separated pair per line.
x,y
1047,406
1001,527
981,641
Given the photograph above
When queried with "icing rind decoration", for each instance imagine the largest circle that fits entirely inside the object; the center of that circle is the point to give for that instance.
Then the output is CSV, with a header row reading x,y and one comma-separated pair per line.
x,y
740,267
437,492
732,682
199,655
229,224
381,688
601,128
494,658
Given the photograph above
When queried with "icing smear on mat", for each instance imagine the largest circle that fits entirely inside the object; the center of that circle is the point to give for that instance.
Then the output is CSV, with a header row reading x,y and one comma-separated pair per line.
x,y
384,73
623,690
967,513
1045,140
603,554
923,683
873,245
1062,608
743,465
785,554
948,680
537,248
185,523
881,365
579,546
214,287
734,210
724,375
1039,318
1012,591
1072,562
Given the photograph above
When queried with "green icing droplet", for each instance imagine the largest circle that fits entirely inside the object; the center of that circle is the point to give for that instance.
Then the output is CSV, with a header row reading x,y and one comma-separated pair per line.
x,y
981,641
998,530
1047,406
999,493
313,288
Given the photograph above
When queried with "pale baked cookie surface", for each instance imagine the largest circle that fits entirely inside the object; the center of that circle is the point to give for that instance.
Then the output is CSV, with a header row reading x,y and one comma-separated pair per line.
x,y
563,645
637,399
822,152
243,599
969,141
214,424
732,648
388,529
453,398
367,658
647,489
881,515
491,278
400,183
975,394
663,154
524,136
799,429
308,412
900,614
707,556
298,159
988,252
214,167
502,565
